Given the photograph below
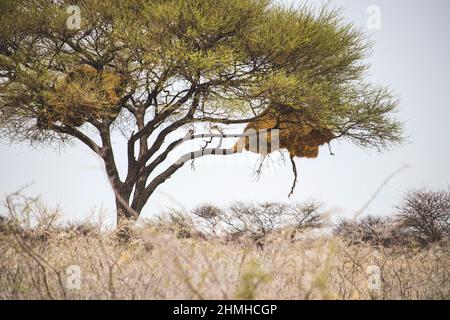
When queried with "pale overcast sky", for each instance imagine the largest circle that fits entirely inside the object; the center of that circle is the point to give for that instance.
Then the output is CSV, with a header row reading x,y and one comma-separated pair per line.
x,y
411,56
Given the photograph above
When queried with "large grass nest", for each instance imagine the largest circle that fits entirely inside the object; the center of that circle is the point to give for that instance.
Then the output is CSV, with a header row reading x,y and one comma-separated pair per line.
x,y
83,93
298,135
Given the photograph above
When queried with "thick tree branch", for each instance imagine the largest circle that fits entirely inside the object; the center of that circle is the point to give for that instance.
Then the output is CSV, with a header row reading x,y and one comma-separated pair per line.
x,y
166,174
107,155
74,132
149,127
230,121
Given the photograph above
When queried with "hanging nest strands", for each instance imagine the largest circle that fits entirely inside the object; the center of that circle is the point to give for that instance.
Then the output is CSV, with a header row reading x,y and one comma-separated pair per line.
x,y
296,135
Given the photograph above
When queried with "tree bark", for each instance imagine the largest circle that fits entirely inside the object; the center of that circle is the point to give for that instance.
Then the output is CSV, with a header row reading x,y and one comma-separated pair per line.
x,y
123,216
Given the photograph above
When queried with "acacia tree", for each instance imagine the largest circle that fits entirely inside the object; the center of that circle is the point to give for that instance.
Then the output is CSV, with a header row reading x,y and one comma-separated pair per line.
x,y
149,68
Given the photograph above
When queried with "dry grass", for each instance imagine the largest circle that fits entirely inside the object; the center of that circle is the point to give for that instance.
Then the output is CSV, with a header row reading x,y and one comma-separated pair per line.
x,y
282,253
158,265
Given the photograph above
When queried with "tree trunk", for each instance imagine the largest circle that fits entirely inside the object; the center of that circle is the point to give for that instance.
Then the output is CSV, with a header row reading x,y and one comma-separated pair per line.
x,y
125,215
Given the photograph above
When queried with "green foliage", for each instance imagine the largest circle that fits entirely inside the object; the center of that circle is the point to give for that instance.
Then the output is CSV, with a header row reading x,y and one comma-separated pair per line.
x,y
236,53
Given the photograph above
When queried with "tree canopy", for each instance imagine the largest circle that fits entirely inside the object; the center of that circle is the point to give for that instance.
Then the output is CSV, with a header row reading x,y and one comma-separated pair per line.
x,y
150,67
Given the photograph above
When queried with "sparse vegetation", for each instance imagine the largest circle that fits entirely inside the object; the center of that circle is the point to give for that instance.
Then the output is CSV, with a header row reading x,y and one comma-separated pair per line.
x,y
190,256
425,215
164,74
421,220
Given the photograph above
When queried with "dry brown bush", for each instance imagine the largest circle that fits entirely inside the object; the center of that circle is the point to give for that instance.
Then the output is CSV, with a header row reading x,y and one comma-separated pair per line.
x,y
425,215
372,231
257,221
158,263
422,219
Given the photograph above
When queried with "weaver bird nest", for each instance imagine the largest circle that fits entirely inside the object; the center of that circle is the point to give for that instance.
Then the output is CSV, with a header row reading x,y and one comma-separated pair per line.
x,y
297,135
80,95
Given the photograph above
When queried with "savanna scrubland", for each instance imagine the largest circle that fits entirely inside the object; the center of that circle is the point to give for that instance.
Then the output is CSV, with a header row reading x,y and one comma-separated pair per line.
x,y
162,73
245,251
